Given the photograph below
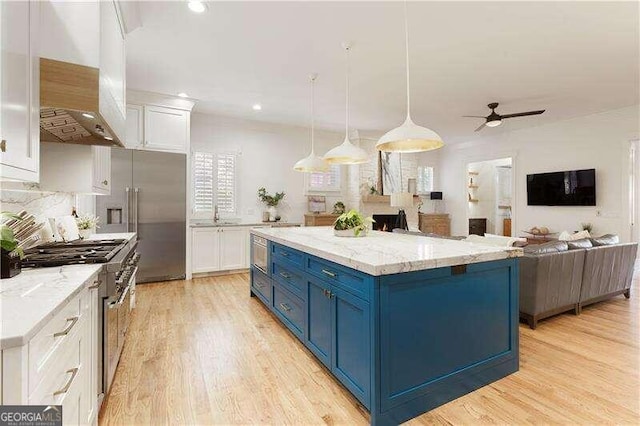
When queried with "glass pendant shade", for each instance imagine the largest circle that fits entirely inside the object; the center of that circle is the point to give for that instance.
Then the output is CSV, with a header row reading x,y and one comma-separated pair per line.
x,y
347,152
409,137
312,163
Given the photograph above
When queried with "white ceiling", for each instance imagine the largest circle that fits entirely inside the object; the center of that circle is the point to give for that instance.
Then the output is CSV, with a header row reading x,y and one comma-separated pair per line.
x,y
572,58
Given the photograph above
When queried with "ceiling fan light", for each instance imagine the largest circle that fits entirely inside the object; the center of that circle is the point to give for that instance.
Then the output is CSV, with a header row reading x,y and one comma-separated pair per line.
x,y
346,153
493,123
409,137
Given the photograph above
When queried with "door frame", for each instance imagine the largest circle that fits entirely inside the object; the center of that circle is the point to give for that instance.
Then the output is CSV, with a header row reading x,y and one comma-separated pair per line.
x,y
634,190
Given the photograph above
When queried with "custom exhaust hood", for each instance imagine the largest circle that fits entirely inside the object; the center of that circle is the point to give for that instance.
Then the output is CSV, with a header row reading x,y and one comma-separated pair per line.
x,y
76,107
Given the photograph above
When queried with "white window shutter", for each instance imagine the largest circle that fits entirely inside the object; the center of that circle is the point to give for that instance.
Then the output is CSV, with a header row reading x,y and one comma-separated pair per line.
x,y
214,183
203,196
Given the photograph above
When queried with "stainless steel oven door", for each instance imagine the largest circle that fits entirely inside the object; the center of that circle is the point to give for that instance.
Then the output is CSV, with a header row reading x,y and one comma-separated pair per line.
x,y
259,253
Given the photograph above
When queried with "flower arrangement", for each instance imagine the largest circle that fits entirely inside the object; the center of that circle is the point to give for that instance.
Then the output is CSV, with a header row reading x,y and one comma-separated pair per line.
x,y
353,222
587,227
87,221
339,208
268,199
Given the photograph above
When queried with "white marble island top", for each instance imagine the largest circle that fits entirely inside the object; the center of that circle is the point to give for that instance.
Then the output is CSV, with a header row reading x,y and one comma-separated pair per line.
x,y
384,253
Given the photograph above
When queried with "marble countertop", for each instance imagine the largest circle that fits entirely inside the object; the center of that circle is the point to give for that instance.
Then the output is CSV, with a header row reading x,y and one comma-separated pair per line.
x,y
384,253
211,223
33,297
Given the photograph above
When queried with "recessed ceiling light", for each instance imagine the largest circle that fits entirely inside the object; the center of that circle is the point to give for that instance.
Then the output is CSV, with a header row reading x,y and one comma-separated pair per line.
x,y
183,95
257,107
197,6
87,115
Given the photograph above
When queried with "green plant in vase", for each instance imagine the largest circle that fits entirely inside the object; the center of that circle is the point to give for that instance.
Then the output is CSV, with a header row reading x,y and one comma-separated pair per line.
x,y
271,201
352,224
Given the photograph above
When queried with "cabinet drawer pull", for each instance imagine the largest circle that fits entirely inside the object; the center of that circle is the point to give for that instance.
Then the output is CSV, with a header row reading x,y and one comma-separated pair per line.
x,y
285,307
284,253
285,275
105,182
3,146
259,285
74,373
331,274
95,284
72,321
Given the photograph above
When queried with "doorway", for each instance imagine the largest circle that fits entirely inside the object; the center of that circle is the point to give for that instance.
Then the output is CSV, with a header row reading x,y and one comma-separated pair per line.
x,y
490,196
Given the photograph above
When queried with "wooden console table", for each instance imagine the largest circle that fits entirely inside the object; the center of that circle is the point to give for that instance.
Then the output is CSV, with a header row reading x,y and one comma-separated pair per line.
x,y
320,219
431,223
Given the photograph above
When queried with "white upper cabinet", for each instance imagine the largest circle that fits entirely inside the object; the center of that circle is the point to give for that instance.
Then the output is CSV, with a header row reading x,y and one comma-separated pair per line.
x,y
112,67
81,169
134,138
166,129
20,106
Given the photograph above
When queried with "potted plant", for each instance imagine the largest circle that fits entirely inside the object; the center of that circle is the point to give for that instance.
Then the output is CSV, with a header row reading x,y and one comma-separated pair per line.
x,y
11,253
271,201
338,208
351,224
87,225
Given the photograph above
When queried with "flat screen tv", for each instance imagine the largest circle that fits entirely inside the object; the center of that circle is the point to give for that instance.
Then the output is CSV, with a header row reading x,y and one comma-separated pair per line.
x,y
568,188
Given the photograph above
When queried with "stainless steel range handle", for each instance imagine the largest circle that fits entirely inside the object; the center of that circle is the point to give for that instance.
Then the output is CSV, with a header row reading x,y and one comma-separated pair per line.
x,y
128,207
135,207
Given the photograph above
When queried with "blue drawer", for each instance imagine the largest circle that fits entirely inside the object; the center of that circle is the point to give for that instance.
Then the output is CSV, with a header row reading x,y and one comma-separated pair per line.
x,y
286,254
345,278
291,308
291,278
261,284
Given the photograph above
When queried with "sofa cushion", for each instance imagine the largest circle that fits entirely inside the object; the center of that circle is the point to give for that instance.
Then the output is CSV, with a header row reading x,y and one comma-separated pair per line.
x,y
550,247
579,244
605,240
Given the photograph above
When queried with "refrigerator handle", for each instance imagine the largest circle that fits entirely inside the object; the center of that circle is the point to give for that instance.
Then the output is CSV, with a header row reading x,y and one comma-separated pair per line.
x,y
135,207
128,208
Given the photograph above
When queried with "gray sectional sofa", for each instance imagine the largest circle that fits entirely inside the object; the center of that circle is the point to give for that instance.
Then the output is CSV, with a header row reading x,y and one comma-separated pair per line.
x,y
560,276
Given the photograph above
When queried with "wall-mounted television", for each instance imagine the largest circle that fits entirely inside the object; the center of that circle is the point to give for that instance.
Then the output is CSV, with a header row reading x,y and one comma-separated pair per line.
x,y
568,188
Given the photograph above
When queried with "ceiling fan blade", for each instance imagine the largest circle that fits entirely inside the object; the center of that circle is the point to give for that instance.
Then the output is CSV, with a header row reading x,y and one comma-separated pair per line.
x,y
480,127
474,116
523,114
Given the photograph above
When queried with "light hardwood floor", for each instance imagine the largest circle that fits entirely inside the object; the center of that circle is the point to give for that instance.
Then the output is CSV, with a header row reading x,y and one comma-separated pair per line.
x,y
203,352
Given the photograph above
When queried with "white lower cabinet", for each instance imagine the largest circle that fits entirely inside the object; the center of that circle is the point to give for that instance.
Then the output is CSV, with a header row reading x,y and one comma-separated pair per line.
x,y
219,248
59,365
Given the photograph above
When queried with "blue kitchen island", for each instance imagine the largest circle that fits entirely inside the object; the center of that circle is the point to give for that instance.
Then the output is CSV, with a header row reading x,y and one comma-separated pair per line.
x,y
406,323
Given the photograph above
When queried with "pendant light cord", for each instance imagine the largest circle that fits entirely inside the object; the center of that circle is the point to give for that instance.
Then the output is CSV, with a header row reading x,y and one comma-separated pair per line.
x,y
346,54
313,77
406,40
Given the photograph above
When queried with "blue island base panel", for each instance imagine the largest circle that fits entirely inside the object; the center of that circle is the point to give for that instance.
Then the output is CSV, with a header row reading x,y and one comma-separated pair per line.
x,y
444,393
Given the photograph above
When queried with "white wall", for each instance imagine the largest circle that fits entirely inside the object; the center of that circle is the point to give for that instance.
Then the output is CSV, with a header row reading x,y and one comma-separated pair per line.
x,y
599,141
267,155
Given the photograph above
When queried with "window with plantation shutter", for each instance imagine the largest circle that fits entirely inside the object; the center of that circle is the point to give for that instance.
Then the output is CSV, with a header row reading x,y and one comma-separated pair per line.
x,y
325,182
226,183
425,179
214,183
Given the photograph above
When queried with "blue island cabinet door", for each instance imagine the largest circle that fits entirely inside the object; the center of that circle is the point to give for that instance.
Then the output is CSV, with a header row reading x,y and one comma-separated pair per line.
x,y
351,361
319,320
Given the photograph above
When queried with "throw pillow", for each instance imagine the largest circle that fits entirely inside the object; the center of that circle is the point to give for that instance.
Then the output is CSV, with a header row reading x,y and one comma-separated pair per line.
x,y
579,244
605,240
566,236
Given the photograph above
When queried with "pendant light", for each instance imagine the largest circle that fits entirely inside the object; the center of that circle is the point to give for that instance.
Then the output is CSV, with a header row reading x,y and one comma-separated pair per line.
x,y
312,163
347,153
409,137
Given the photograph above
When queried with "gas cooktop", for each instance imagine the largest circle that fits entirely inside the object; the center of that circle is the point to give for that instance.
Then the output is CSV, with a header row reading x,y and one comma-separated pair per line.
x,y
72,253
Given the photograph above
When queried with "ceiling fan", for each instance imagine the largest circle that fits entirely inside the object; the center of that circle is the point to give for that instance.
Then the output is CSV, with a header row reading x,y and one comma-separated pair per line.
x,y
494,119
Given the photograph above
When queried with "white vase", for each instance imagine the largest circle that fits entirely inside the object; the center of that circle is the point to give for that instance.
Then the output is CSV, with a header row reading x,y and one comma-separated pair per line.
x,y
273,212
86,233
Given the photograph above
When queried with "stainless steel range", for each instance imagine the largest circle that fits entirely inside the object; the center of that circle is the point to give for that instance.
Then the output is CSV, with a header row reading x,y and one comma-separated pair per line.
x,y
117,281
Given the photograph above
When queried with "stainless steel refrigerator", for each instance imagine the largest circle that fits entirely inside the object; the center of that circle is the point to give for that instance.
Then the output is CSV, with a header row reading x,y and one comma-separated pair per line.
x,y
148,196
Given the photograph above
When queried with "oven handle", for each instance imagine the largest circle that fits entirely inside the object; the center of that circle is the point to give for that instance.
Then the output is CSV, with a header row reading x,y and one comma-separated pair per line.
x,y
261,269
127,287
